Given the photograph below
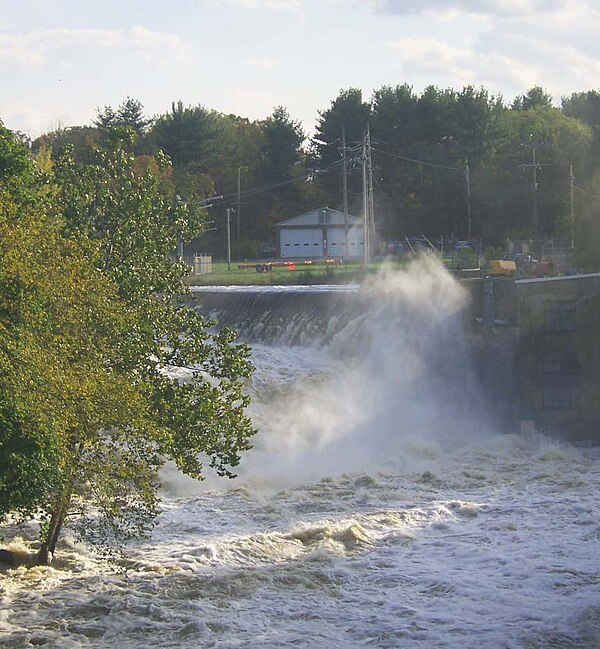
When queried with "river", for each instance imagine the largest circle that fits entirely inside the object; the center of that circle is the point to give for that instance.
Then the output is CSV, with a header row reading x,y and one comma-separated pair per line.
x,y
381,506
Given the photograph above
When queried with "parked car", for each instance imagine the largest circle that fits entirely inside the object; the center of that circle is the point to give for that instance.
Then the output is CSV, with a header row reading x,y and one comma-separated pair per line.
x,y
521,259
421,243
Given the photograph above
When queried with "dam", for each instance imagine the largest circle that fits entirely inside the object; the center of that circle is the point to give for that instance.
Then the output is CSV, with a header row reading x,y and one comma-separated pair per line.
x,y
533,344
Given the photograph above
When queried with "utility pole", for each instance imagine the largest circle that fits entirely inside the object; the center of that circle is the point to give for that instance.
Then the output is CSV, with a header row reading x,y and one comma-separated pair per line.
x,y
534,188
371,194
572,205
367,179
179,235
534,191
239,206
228,211
468,181
365,203
345,194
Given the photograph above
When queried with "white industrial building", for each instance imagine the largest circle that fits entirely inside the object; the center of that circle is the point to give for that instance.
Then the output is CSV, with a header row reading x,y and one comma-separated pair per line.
x,y
320,233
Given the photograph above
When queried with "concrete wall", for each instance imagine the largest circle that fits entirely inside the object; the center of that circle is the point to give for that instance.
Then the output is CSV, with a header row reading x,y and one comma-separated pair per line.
x,y
538,341
558,356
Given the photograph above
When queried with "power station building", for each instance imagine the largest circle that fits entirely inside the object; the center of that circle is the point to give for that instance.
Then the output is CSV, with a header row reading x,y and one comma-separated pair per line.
x,y
320,233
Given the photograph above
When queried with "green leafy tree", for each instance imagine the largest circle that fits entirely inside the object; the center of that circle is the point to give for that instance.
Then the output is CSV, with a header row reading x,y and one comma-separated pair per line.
x,y
587,230
27,455
504,189
15,161
187,136
422,145
393,122
106,371
585,107
83,139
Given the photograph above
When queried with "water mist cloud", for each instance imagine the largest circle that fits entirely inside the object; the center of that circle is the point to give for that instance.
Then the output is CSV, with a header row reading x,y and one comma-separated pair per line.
x,y
398,385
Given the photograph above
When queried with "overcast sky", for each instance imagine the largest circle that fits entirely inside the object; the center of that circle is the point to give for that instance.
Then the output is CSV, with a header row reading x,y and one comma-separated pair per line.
x,y
60,60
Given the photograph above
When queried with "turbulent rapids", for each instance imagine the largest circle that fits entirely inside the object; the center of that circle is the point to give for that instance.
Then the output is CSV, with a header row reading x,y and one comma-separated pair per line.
x,y
379,507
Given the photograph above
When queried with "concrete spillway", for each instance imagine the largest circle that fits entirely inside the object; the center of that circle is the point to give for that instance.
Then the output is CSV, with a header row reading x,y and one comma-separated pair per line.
x,y
291,315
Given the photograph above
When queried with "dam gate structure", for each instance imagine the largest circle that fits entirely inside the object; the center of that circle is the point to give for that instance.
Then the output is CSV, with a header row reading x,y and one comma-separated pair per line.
x,y
558,356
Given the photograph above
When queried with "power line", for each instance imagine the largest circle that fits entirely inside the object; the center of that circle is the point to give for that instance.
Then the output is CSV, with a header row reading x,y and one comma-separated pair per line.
x,y
584,191
433,164
416,161
265,188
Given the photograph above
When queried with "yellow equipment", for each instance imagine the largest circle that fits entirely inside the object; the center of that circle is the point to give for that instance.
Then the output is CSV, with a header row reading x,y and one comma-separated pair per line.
x,y
502,267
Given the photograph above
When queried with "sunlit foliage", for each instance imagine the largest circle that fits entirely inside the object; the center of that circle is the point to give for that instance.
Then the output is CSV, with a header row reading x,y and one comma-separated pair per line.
x,y
106,372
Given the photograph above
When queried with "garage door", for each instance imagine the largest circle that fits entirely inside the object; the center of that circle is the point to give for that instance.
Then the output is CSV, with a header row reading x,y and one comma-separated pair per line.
x,y
336,242
301,243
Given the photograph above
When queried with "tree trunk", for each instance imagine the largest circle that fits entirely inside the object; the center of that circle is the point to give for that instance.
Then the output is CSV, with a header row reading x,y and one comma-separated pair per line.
x,y
56,521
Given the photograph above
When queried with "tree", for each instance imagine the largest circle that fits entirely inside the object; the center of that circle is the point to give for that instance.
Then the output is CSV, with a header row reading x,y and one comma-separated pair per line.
x,y
349,115
535,97
585,106
186,135
394,114
57,318
14,156
27,457
587,230
94,341
505,189
282,148
129,115
422,145
84,139
280,163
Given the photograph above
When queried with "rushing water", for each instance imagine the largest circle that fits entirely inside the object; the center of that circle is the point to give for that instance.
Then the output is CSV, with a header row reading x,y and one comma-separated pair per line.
x,y
379,508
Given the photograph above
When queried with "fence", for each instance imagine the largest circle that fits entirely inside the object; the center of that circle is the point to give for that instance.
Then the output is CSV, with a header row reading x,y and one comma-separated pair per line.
x,y
201,264
559,252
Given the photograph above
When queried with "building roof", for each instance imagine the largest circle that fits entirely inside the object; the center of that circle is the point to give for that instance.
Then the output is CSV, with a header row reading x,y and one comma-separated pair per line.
x,y
320,216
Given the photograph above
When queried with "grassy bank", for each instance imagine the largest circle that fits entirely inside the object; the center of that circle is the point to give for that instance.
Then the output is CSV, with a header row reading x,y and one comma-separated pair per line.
x,y
281,275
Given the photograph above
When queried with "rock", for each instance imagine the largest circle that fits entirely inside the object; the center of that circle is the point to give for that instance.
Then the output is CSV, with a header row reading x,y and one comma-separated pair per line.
x,y
7,557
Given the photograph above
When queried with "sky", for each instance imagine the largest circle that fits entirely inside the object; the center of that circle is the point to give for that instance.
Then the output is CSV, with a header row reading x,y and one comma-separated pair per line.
x,y
63,60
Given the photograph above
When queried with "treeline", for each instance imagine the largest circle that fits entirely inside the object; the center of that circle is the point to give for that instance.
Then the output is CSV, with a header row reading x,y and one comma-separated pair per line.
x,y
444,162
